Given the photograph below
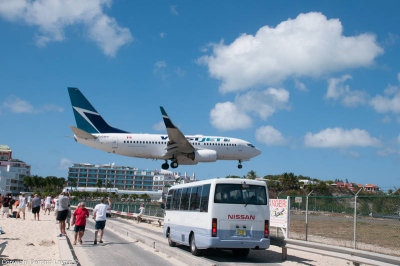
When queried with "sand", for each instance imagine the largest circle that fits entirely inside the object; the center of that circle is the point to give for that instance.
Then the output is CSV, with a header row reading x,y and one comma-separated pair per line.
x,y
30,242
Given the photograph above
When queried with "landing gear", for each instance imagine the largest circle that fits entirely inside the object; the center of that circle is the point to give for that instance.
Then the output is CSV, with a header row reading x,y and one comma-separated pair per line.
x,y
165,165
174,164
240,164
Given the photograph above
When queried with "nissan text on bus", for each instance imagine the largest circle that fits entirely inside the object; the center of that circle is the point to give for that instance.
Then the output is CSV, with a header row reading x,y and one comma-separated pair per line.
x,y
218,213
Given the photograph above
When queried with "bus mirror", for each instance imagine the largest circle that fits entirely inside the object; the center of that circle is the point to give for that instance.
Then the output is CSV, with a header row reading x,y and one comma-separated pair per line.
x,y
162,206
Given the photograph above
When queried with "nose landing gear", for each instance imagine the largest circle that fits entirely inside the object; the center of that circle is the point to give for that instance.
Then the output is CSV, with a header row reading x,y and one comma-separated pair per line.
x,y
240,164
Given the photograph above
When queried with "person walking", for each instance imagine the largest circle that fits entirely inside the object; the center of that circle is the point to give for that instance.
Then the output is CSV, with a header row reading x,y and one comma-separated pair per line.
x,y
62,213
5,202
22,205
35,206
80,216
100,216
47,204
141,213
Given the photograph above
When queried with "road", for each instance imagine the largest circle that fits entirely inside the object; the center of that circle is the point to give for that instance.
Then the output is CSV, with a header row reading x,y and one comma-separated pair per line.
x,y
114,251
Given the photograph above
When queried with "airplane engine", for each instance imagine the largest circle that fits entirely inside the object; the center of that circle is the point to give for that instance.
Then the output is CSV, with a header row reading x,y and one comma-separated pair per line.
x,y
205,156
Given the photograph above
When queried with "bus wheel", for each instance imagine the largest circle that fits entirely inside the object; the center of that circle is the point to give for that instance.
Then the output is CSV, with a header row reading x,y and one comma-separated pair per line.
x,y
170,242
241,252
193,248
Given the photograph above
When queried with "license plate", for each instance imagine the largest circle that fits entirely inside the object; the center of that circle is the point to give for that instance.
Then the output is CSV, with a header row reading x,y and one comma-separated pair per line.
x,y
240,232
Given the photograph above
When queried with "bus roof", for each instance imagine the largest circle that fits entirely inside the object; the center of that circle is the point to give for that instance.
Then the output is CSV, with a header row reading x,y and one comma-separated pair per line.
x,y
221,181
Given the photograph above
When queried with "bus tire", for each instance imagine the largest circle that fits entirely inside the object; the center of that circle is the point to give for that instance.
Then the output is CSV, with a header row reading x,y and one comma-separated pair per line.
x,y
241,252
170,242
193,248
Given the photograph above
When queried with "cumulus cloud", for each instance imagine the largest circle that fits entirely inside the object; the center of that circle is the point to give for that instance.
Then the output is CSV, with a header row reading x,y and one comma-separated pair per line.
x,y
309,45
17,105
53,16
388,102
64,164
263,103
226,116
338,90
386,119
269,136
300,85
340,138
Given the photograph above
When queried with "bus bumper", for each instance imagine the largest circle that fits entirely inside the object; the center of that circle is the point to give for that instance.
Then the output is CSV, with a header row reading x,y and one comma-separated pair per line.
x,y
254,244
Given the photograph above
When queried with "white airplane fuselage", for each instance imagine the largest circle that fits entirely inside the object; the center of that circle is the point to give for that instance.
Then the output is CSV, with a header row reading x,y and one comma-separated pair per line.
x,y
154,146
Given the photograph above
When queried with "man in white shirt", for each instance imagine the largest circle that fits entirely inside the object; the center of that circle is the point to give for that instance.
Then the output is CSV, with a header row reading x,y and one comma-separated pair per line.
x,y
21,205
99,215
62,213
47,204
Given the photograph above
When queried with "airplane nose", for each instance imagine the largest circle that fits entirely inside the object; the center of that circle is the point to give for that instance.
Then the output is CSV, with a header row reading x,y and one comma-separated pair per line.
x,y
257,152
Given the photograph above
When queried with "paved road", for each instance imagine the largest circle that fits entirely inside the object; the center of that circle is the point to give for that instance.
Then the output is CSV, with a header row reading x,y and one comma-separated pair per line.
x,y
114,251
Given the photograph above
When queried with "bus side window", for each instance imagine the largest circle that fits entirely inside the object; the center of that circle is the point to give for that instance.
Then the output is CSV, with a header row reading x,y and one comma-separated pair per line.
x,y
204,198
176,199
169,200
195,198
185,199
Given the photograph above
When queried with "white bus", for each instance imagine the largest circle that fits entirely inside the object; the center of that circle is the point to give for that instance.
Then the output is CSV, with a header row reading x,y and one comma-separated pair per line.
x,y
218,213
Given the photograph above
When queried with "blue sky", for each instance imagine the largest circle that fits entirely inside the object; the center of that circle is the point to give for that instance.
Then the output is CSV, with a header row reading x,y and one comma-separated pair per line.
x,y
314,84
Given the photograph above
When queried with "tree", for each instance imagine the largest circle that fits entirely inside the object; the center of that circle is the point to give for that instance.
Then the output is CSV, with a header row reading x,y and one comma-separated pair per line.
x,y
99,183
232,176
251,175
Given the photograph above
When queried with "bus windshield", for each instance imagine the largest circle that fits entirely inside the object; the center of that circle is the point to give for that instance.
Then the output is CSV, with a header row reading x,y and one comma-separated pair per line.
x,y
239,194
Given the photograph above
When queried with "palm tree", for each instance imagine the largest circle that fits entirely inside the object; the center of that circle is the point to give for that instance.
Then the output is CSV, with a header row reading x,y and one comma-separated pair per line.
x,y
251,175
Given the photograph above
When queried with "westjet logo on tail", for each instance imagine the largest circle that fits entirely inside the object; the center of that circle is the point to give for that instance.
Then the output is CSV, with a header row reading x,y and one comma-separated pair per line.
x,y
241,217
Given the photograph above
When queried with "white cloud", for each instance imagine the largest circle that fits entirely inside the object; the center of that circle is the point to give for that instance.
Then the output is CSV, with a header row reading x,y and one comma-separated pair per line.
x,y
337,90
398,139
300,85
226,116
53,16
386,152
398,76
64,164
173,10
162,35
269,136
263,103
160,126
389,102
17,105
309,45
340,138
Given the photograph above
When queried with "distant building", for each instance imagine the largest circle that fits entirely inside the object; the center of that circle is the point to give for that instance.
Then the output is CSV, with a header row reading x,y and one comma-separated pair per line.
x,y
371,188
123,177
12,172
5,153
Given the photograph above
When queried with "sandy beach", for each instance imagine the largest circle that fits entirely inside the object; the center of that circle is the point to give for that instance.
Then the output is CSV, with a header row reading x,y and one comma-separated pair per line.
x,y
30,242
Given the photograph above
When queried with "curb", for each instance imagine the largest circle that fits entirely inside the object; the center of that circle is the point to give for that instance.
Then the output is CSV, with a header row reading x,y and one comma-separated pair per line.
x,y
67,253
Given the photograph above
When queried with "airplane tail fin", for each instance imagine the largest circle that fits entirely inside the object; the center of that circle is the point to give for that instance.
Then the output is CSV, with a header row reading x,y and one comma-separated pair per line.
x,y
87,118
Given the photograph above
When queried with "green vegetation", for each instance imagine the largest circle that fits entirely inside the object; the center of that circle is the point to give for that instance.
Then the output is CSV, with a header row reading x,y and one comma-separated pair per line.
x,y
44,185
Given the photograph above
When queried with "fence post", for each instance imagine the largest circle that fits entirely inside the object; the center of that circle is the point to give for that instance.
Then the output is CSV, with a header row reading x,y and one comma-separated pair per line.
x,y
128,208
355,219
288,219
307,214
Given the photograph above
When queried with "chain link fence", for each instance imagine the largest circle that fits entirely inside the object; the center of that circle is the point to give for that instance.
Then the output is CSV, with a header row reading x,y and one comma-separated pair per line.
x,y
365,222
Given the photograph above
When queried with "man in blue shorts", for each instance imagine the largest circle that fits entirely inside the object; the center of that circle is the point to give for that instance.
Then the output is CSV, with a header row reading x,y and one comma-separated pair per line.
x,y
99,215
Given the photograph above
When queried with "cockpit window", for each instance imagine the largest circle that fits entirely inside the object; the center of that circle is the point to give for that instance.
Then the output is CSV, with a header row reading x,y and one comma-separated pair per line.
x,y
250,145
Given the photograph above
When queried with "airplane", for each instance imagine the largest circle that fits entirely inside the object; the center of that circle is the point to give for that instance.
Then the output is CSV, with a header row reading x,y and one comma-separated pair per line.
x,y
92,130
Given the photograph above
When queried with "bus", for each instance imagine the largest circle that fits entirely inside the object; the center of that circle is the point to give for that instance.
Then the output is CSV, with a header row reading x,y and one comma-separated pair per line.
x,y
229,213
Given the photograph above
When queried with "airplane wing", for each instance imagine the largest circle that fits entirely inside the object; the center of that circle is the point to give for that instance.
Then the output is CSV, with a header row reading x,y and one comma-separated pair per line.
x,y
178,144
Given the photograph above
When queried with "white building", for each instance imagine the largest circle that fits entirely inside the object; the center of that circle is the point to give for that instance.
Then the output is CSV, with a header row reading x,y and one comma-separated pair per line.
x,y
12,175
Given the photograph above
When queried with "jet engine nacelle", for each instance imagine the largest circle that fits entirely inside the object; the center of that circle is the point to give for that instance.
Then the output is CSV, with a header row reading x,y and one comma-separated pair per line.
x,y
205,156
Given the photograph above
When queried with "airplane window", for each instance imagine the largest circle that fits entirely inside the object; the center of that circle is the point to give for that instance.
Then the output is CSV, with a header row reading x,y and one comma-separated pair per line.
x,y
250,145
